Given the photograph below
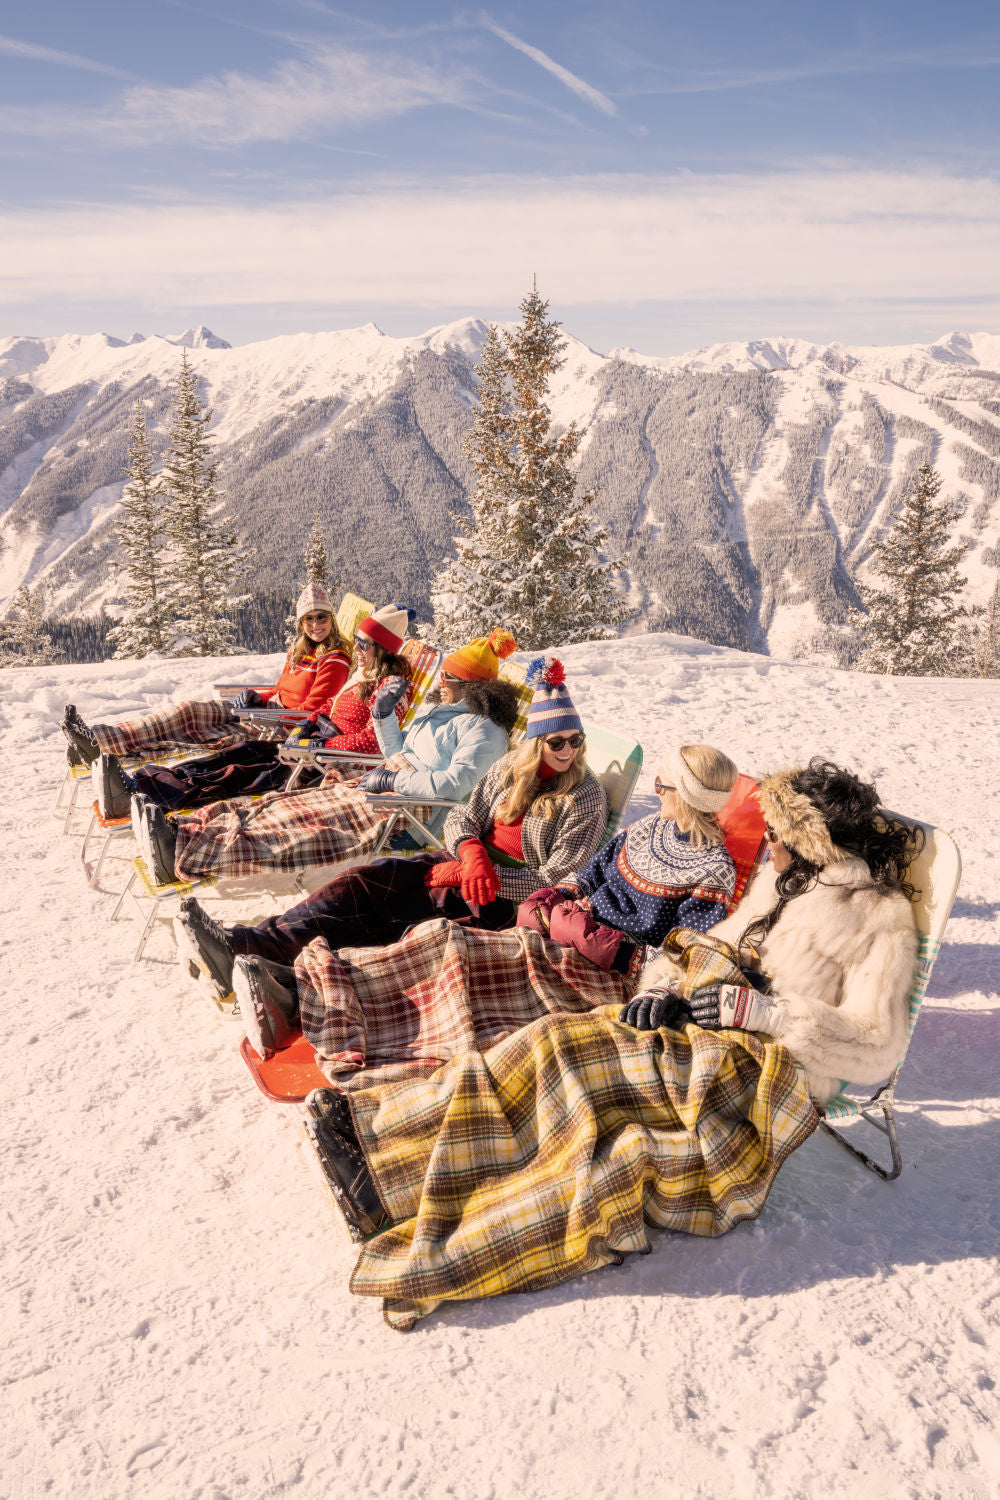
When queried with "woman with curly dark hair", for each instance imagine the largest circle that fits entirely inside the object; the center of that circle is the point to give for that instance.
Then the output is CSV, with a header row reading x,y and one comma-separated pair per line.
x,y
829,922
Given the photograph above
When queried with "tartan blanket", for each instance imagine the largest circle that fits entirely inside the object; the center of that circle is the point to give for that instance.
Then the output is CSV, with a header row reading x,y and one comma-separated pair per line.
x,y
173,729
548,1155
279,831
441,990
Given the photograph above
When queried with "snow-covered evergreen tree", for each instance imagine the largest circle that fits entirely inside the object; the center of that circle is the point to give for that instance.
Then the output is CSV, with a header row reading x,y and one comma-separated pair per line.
x,y
23,641
986,647
917,624
528,558
143,625
317,558
200,581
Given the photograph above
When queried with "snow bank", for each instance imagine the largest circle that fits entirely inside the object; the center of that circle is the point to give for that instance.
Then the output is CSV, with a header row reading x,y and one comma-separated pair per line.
x,y
176,1313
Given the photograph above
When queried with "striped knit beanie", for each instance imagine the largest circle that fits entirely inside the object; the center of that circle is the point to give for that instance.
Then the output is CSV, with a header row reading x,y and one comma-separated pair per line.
x,y
388,626
480,659
551,710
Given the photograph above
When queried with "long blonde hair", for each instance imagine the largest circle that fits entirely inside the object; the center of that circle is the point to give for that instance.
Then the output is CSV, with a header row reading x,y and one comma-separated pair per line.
x,y
304,645
525,792
716,772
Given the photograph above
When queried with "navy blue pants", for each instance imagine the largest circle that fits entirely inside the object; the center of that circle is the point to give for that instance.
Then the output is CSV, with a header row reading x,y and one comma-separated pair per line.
x,y
367,907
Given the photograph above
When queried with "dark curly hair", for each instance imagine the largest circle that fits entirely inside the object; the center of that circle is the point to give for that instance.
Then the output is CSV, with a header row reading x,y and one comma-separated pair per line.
x,y
850,809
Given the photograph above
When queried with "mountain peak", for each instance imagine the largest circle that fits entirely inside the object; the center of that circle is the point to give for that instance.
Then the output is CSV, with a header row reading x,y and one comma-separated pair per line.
x,y
196,338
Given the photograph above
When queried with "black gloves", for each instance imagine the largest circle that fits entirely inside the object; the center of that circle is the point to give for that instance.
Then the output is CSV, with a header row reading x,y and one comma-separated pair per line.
x,y
248,699
651,1009
379,780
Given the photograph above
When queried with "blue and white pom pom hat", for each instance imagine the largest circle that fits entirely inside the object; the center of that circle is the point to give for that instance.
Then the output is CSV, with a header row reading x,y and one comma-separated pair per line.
x,y
551,710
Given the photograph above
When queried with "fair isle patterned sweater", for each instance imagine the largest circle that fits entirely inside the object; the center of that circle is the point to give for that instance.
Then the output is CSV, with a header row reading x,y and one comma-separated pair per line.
x,y
650,879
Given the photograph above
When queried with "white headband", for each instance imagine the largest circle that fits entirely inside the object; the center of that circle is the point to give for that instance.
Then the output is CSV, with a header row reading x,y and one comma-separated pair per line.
x,y
680,774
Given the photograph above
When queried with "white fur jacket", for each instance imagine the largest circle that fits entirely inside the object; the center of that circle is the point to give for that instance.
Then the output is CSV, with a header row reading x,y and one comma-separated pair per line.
x,y
841,960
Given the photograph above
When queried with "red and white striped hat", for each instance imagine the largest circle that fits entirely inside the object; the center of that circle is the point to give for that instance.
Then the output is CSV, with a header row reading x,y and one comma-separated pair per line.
x,y
388,625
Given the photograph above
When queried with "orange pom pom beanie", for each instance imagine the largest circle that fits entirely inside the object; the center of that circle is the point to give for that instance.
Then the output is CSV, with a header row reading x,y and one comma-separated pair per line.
x,y
481,658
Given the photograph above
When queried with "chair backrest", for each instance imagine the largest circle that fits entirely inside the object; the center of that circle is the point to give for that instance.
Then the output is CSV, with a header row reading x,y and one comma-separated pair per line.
x,y
515,672
742,822
935,875
424,663
616,761
350,612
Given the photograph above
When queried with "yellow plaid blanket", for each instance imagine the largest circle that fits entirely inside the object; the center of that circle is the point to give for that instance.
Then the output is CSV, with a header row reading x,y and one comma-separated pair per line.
x,y
547,1155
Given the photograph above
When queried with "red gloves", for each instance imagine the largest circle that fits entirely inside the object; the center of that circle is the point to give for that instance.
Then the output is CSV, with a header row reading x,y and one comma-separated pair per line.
x,y
448,872
480,884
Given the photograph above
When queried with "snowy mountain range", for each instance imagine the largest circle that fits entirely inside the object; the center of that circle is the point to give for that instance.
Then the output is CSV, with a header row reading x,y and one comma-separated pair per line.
x,y
742,483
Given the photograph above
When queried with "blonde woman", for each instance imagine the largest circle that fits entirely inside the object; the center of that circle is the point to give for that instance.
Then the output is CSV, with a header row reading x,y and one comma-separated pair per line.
x,y
535,816
314,672
671,869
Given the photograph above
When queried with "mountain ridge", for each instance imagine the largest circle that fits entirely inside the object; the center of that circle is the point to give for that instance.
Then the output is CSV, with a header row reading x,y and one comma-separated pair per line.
x,y
742,482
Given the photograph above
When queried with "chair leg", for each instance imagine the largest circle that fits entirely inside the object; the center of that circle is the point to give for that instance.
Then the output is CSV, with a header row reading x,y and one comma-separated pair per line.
x,y
86,840
147,929
72,804
62,792
884,1100
128,886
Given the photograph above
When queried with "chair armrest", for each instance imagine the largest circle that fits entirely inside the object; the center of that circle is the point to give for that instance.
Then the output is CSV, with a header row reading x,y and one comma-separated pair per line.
x,y
389,800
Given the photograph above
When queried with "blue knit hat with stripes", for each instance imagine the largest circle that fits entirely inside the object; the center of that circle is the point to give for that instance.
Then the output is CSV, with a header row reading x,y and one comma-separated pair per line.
x,y
551,710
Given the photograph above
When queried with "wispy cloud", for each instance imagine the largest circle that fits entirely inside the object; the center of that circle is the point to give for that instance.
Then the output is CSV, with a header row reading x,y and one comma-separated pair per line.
x,y
334,89
12,47
855,234
579,86
830,65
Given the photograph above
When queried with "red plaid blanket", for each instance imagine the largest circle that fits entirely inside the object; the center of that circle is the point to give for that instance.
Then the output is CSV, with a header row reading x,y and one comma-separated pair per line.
x,y
173,729
279,831
443,989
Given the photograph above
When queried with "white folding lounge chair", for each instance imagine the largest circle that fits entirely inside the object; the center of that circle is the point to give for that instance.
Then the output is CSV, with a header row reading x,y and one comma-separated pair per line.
x,y
934,874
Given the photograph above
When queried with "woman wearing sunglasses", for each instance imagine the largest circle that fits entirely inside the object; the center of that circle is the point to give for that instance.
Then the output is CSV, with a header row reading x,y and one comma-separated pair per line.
x,y
671,869
534,817
315,670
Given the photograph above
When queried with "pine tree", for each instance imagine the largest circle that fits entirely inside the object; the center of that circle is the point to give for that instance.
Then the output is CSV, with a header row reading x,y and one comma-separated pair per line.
x,y
916,621
528,558
23,641
986,653
317,560
143,626
199,586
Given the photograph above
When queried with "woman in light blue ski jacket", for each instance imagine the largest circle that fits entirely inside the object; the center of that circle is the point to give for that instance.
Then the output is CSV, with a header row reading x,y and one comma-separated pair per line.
x,y
461,731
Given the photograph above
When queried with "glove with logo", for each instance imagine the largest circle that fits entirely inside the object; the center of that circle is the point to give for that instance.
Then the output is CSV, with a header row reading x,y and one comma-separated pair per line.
x,y
719,1007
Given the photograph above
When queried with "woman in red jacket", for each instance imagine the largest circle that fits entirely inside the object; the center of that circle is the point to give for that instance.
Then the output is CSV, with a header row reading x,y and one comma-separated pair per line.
x,y
315,671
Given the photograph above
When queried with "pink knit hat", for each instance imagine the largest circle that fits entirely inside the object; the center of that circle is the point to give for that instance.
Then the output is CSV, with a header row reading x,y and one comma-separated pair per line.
x,y
388,625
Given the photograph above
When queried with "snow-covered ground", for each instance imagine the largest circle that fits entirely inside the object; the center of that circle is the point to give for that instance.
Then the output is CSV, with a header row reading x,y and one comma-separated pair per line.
x,y
176,1319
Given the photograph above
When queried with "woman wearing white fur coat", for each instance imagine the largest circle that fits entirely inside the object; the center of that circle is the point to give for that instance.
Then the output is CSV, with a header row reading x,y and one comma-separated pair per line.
x,y
831,919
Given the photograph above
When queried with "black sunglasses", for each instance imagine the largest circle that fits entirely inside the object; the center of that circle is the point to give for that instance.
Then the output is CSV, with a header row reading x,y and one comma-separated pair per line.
x,y
447,677
362,643
659,787
557,741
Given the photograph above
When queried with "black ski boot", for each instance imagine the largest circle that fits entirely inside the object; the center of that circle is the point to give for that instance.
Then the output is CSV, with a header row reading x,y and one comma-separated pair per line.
x,y
268,1003
113,788
202,941
351,1183
333,1107
80,736
158,842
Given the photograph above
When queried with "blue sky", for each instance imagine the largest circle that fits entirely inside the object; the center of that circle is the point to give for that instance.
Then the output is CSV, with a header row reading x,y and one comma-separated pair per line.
x,y
674,174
